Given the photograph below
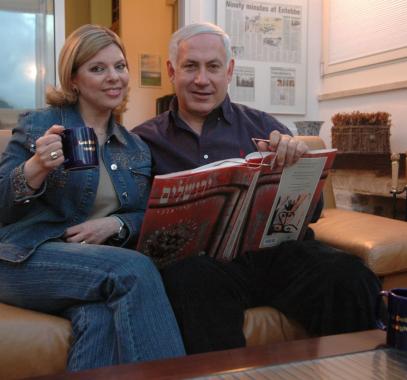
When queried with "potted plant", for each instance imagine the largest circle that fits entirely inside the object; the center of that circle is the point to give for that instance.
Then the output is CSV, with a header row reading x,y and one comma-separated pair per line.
x,y
361,132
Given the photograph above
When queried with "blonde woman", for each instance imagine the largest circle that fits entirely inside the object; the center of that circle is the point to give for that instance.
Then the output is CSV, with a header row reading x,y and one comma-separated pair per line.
x,y
64,233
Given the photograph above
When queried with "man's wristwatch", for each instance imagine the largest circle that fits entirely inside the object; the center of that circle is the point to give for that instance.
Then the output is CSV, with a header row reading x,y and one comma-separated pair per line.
x,y
122,233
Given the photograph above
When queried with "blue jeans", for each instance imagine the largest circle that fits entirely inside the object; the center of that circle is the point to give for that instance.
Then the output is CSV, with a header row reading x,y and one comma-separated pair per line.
x,y
114,298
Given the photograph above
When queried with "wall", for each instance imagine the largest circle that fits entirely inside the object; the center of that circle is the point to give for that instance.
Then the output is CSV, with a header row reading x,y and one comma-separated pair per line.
x,y
80,12
77,13
146,27
101,12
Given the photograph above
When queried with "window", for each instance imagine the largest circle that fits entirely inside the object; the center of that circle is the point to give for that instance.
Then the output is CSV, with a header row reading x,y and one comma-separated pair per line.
x,y
363,33
27,43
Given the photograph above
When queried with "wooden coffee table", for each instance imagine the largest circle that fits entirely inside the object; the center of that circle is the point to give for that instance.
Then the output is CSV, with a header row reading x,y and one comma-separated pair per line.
x,y
236,360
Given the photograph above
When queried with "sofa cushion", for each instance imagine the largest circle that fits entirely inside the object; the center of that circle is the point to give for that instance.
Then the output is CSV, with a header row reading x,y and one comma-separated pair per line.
x,y
32,343
381,242
265,325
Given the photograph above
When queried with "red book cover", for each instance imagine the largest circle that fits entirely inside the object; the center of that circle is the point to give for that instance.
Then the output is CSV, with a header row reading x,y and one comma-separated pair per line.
x,y
220,209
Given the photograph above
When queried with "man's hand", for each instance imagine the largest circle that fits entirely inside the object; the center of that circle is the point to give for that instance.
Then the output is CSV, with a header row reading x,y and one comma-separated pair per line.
x,y
288,149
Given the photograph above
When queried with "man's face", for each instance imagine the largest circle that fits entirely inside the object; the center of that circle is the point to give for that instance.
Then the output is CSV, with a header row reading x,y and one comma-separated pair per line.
x,y
201,75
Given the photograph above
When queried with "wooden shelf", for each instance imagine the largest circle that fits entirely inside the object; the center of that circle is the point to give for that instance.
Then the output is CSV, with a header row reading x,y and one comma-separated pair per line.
x,y
380,163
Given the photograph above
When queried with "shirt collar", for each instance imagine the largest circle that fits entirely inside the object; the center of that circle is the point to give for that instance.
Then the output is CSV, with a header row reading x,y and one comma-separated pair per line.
x,y
224,110
227,111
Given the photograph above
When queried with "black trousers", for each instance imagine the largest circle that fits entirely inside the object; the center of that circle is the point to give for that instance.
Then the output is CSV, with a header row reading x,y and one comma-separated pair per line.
x,y
326,290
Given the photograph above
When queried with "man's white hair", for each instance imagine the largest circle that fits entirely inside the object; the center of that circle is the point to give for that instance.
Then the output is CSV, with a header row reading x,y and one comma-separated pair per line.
x,y
191,30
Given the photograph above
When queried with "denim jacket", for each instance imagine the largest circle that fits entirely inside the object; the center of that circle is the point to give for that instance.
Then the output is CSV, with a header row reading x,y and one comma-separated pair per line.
x,y
66,198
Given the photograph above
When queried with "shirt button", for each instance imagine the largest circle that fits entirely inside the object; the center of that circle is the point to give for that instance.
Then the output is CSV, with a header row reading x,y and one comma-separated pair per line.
x,y
206,156
108,141
113,166
124,195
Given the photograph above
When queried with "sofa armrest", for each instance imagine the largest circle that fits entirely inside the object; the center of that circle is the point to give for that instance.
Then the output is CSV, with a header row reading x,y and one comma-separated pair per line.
x,y
32,343
381,242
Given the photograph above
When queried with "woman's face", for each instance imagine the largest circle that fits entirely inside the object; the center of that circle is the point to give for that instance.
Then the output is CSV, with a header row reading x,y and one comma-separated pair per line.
x,y
102,81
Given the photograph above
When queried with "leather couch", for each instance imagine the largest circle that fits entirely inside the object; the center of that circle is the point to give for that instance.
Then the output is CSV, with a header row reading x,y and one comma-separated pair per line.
x,y
33,343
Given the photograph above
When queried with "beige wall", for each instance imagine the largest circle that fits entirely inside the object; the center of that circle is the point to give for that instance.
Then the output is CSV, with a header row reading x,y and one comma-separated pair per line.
x,y
77,13
101,12
146,27
80,12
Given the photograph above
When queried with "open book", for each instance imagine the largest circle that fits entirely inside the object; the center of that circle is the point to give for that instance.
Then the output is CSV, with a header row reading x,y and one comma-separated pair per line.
x,y
232,206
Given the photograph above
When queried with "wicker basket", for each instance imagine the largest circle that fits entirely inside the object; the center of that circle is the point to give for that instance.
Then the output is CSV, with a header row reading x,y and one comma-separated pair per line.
x,y
361,138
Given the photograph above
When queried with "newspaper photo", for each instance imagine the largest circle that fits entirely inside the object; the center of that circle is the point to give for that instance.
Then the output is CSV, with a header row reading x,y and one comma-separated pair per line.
x,y
263,31
282,86
242,85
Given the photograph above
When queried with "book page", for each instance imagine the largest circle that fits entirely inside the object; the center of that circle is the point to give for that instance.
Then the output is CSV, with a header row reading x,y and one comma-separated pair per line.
x,y
292,201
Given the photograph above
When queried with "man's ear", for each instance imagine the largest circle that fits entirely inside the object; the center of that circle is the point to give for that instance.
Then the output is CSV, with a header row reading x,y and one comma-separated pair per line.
x,y
230,69
170,71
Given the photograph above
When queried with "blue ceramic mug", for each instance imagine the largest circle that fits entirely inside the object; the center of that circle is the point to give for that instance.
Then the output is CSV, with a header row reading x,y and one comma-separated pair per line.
x,y
396,317
80,148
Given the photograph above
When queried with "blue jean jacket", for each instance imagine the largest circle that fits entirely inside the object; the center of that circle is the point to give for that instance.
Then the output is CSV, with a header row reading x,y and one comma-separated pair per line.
x,y
66,197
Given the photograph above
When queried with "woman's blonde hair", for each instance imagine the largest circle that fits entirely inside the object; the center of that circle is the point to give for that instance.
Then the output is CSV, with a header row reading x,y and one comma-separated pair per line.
x,y
79,47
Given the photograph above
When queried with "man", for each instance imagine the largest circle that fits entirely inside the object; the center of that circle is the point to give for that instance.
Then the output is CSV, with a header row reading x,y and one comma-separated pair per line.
x,y
325,290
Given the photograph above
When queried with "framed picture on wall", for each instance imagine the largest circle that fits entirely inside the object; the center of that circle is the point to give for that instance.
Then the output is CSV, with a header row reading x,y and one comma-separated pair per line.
x,y
268,41
149,70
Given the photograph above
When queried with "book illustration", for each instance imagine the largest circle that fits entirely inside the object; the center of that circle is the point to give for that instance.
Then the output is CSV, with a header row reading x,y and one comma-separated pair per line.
x,y
287,214
292,201
165,244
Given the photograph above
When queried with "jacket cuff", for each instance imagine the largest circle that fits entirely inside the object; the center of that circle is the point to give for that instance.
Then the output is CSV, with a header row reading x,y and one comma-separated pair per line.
x,y
21,188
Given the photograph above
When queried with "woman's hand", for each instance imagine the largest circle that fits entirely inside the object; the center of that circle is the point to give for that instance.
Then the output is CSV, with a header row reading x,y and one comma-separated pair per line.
x,y
48,156
48,151
95,231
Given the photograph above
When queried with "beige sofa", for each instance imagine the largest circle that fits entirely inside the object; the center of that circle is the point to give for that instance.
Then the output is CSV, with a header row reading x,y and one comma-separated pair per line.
x,y
33,343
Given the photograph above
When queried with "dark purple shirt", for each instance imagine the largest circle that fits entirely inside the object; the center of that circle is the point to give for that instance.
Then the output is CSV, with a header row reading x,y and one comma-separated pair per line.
x,y
226,133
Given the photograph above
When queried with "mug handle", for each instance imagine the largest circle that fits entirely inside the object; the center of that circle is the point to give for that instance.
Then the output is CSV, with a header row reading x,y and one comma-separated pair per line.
x,y
379,322
63,137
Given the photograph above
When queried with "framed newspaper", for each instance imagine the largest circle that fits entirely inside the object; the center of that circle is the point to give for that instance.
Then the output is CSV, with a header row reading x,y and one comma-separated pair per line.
x,y
269,41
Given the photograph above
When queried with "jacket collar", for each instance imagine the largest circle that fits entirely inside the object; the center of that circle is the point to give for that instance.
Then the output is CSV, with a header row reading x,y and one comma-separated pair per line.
x,y
71,118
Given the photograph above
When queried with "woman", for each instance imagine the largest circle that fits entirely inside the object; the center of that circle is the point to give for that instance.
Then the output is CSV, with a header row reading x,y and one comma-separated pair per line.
x,y
62,232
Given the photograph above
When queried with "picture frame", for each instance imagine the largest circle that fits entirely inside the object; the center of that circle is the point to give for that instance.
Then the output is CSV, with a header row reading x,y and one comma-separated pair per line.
x,y
150,70
269,46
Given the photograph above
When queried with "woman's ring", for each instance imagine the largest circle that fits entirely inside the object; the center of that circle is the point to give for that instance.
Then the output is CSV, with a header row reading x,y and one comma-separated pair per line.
x,y
83,242
53,155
